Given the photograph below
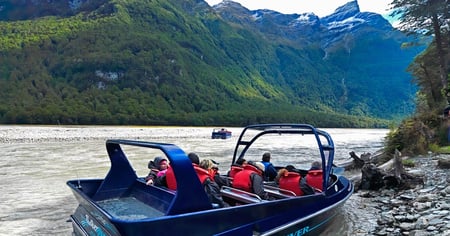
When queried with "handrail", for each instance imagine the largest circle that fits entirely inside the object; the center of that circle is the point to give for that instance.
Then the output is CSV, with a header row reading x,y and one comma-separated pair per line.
x,y
280,190
240,194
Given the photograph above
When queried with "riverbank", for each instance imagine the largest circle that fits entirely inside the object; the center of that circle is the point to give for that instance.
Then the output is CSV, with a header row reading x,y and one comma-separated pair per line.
x,y
421,211
43,133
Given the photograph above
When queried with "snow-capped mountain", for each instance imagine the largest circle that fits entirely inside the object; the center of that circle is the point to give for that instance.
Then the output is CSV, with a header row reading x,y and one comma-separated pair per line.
x,y
347,21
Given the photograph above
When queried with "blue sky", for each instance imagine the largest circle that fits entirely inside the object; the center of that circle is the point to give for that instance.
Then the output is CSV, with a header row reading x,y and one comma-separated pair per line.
x,y
319,7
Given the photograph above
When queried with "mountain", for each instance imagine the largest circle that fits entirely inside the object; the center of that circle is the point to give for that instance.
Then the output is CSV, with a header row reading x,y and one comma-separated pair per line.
x,y
172,62
364,47
346,21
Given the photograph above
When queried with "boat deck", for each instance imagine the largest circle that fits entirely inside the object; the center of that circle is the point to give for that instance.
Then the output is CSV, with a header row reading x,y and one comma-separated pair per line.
x,y
134,203
129,208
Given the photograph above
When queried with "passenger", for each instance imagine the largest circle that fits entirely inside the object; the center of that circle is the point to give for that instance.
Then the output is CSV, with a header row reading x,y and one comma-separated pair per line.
x,y
216,176
281,172
316,166
314,178
288,178
236,167
250,179
158,168
194,158
207,164
212,189
214,168
270,172
241,162
169,179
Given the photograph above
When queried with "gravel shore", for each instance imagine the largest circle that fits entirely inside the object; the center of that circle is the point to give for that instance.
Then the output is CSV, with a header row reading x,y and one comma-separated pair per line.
x,y
421,211
37,134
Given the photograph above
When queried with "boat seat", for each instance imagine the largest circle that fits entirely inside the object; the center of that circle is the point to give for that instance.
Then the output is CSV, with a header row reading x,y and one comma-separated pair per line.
x,y
239,195
278,193
234,170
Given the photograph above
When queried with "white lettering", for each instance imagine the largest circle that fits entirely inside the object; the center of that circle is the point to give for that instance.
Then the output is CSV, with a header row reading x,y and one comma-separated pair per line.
x,y
300,232
89,222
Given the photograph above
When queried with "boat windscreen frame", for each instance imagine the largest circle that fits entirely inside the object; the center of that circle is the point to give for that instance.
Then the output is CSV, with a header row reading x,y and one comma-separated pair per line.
x,y
242,145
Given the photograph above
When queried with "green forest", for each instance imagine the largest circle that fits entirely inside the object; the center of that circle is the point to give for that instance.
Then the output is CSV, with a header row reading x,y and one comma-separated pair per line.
x,y
159,62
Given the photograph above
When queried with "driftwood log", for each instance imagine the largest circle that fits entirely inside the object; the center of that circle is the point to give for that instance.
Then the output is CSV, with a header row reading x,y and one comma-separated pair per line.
x,y
371,177
359,162
391,174
356,162
443,164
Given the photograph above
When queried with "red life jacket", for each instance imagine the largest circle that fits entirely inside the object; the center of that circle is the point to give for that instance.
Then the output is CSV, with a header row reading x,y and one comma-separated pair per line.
x,y
291,181
202,175
242,179
234,170
170,179
314,178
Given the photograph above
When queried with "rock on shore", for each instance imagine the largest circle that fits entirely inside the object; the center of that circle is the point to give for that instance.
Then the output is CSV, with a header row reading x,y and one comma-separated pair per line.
x,y
422,211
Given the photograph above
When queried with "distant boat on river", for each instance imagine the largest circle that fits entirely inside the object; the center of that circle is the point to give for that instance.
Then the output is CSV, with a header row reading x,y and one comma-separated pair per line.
x,y
221,133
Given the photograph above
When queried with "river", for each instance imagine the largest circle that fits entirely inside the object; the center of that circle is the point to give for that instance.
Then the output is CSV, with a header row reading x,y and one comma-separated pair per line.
x,y
38,160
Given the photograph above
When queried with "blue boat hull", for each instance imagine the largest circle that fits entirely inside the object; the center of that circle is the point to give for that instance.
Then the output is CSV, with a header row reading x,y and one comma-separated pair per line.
x,y
221,135
123,204
293,216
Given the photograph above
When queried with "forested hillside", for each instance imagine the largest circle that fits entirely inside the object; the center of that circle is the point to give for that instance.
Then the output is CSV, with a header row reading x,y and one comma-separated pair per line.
x,y
172,62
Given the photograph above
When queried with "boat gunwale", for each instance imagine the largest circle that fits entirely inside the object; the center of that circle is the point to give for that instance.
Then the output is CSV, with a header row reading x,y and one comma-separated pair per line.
x,y
335,205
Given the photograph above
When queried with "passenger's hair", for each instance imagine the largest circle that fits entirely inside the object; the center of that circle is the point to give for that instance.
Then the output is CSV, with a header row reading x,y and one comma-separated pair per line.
x,y
282,172
316,165
290,168
266,157
194,158
206,164
240,161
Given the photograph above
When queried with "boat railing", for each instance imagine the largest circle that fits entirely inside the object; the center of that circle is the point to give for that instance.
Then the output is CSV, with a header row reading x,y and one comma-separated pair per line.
x,y
239,195
161,188
278,192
